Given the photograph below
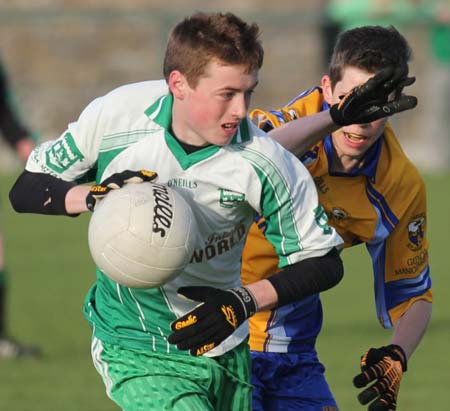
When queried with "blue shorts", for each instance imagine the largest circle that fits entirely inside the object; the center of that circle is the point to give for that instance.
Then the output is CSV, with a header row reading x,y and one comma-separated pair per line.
x,y
290,382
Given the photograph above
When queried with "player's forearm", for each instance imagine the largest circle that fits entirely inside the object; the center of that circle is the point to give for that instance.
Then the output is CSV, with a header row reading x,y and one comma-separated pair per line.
x,y
264,294
410,328
299,135
42,193
297,281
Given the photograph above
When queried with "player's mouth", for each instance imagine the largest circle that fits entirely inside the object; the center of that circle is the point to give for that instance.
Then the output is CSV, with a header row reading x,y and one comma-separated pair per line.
x,y
354,138
230,128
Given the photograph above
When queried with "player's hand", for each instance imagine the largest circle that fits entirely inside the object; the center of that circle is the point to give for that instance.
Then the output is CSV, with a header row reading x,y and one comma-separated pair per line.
x,y
385,366
207,325
381,96
117,180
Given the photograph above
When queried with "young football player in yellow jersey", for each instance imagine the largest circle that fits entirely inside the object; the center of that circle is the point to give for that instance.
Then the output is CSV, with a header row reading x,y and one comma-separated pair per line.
x,y
372,194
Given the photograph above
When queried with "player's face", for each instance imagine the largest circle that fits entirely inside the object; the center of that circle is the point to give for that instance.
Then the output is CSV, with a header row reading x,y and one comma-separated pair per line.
x,y
211,112
354,140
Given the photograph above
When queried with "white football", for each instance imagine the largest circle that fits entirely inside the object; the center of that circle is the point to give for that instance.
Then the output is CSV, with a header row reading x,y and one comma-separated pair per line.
x,y
142,235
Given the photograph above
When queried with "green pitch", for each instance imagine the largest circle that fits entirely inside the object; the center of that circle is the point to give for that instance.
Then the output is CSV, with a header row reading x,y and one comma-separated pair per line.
x,y
51,270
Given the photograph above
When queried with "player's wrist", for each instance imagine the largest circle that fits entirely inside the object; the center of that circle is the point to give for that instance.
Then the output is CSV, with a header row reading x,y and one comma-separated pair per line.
x,y
95,192
397,353
246,299
336,116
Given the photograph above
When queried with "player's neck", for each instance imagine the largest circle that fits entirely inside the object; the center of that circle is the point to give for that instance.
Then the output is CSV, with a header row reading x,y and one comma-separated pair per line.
x,y
342,163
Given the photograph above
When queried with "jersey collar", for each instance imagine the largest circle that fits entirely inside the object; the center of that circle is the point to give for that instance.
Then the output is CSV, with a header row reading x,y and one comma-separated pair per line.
x,y
160,112
367,165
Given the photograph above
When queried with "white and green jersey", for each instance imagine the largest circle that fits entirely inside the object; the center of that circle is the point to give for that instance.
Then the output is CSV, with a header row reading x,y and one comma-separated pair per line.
x,y
128,129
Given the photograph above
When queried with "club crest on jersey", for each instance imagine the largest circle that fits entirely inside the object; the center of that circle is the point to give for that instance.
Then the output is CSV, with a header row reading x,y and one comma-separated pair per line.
x,y
416,232
339,213
63,154
230,199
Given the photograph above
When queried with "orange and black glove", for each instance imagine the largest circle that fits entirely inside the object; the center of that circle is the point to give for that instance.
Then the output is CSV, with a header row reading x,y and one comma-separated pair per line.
x,y
381,96
219,315
384,366
115,181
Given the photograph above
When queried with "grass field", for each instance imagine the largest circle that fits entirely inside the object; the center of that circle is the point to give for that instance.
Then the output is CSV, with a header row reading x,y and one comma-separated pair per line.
x,y
51,271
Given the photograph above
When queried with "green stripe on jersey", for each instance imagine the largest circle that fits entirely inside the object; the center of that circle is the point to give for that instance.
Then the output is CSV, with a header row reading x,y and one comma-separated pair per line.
x,y
277,205
135,318
123,139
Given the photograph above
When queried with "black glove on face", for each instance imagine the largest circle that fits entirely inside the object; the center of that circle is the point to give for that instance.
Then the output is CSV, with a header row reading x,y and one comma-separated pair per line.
x,y
370,101
117,180
206,326
385,366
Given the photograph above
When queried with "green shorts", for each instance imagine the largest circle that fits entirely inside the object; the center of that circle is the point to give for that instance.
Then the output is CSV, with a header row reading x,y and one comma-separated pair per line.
x,y
140,380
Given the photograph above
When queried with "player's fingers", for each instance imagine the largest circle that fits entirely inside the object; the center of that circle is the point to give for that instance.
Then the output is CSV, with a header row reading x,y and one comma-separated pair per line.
x,y
403,103
372,392
397,77
406,82
196,340
367,375
384,403
148,175
360,380
380,79
195,337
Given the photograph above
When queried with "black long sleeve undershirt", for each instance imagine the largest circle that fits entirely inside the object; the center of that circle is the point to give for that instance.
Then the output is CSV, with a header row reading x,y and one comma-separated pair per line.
x,y
308,277
40,193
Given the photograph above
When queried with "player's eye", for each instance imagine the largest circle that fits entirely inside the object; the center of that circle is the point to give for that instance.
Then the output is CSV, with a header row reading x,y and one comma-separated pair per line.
x,y
228,95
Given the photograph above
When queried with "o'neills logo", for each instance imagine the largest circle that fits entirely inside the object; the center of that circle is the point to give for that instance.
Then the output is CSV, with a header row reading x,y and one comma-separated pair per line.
x,y
163,209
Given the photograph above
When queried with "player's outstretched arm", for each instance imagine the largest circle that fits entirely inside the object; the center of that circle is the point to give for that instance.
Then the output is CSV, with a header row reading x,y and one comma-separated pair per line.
x,y
381,96
300,134
221,312
42,193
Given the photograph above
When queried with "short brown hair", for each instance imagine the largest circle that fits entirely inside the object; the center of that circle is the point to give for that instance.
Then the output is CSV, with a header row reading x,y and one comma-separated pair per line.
x,y
370,48
201,38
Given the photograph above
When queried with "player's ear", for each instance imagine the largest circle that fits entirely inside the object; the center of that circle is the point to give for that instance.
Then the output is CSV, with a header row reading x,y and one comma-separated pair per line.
x,y
177,84
326,88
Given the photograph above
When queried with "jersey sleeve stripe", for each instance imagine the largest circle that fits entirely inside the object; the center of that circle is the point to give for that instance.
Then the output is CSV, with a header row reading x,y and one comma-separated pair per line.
x,y
277,205
379,202
399,291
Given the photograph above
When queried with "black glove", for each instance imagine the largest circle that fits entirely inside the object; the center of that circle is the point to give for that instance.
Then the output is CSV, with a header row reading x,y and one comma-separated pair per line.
x,y
371,101
385,366
207,325
117,180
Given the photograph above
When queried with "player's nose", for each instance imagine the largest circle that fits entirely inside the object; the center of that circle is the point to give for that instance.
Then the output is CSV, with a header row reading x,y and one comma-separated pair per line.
x,y
240,106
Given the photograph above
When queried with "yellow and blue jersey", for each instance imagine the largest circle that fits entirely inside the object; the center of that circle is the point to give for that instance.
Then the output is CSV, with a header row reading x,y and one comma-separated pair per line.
x,y
381,202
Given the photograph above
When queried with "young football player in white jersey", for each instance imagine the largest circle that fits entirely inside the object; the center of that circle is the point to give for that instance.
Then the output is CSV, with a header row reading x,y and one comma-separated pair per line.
x,y
158,349
372,194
